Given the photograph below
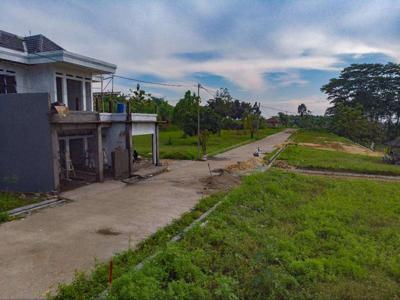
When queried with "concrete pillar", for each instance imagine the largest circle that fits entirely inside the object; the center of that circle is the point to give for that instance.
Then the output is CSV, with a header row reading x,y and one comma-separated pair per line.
x,y
155,146
84,108
56,158
128,140
85,150
67,157
99,154
65,91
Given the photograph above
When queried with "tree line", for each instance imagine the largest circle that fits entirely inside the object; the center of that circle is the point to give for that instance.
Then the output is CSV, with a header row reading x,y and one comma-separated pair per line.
x,y
365,104
217,113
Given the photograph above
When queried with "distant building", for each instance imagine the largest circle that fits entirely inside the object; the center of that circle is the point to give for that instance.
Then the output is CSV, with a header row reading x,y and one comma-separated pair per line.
x,y
273,122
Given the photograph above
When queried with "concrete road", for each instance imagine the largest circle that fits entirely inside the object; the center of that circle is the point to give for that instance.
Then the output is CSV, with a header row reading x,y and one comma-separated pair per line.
x,y
45,248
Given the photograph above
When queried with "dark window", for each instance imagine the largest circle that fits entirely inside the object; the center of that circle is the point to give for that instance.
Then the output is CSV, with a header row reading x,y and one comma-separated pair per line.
x,y
8,84
88,87
59,89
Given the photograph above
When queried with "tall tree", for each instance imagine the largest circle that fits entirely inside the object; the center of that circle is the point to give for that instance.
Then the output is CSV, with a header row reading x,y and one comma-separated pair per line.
x,y
185,108
376,87
302,109
252,119
351,122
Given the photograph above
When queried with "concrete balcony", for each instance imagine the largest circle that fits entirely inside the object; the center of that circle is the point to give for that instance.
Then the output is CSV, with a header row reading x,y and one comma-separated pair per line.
x,y
122,117
136,117
74,117
112,117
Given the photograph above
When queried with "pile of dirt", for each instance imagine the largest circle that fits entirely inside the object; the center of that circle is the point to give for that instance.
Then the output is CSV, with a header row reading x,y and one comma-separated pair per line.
x,y
222,182
338,146
283,164
244,166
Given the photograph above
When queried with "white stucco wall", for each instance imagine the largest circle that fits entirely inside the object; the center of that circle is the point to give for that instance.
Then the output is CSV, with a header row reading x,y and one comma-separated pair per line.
x,y
20,72
113,137
42,78
143,128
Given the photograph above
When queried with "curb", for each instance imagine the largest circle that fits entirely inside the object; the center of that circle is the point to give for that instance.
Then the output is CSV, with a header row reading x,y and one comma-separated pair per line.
x,y
32,207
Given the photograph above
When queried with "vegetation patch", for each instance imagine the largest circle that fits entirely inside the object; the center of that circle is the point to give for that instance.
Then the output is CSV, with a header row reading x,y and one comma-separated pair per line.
x,y
318,137
175,145
277,236
9,201
310,158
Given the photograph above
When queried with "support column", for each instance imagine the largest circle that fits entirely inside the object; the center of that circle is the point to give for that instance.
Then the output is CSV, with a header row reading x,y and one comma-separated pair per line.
x,y
128,140
155,146
64,91
85,150
99,154
67,157
84,108
56,158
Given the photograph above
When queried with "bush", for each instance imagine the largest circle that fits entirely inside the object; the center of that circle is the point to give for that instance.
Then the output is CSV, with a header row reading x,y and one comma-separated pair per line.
x,y
4,217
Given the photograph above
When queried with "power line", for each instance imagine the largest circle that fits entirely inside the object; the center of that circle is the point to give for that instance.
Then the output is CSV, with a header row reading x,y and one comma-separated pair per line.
x,y
262,105
208,91
212,94
277,109
155,83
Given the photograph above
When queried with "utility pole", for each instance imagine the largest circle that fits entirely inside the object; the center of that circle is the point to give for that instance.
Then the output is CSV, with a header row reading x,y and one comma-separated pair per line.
x,y
198,121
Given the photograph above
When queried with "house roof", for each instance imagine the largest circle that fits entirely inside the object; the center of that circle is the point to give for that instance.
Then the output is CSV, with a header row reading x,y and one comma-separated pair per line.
x,y
273,120
27,50
30,44
11,41
40,43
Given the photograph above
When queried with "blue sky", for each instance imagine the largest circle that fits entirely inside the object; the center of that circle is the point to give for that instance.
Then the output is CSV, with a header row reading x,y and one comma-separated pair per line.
x,y
275,52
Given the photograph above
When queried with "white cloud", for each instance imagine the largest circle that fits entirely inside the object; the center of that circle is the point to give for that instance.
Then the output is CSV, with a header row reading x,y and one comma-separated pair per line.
x,y
251,37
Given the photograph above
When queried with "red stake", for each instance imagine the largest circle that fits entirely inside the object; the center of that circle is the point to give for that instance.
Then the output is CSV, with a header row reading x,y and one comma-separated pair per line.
x,y
110,271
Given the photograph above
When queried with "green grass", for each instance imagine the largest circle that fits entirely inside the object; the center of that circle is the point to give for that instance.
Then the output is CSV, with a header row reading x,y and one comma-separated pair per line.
x,y
174,145
317,137
10,201
277,236
310,158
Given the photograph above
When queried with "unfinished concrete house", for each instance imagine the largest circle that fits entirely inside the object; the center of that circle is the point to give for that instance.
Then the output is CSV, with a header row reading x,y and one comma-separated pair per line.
x,y
50,134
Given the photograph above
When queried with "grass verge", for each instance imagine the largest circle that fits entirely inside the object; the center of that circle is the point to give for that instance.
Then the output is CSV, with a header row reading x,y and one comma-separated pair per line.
x,y
316,159
277,236
318,137
175,146
10,201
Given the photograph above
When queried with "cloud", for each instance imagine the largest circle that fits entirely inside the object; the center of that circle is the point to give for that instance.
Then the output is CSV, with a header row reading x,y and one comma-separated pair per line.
x,y
240,41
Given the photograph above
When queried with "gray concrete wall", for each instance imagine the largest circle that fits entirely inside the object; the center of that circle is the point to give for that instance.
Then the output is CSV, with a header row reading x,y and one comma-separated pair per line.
x,y
26,162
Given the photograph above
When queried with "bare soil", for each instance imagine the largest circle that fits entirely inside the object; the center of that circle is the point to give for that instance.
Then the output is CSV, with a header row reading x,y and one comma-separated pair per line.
x,y
338,146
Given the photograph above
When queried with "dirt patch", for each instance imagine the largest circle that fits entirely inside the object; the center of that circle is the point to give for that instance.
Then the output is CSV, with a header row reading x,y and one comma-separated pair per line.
x,y
247,165
222,182
338,146
108,231
282,164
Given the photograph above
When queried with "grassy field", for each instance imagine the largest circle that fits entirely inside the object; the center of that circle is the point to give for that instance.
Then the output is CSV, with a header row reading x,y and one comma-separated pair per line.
x,y
277,236
174,145
310,158
318,137
10,201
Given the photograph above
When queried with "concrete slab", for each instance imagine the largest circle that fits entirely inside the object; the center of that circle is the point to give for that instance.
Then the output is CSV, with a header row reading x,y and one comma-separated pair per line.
x,y
38,252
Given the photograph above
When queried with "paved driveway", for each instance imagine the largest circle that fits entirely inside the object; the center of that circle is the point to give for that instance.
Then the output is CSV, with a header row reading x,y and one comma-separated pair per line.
x,y
39,251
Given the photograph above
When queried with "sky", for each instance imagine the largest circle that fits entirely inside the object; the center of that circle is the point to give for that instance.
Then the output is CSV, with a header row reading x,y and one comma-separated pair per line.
x,y
275,52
